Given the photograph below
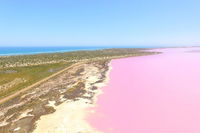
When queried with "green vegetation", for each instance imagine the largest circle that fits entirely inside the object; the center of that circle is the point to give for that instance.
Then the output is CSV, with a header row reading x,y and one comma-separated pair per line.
x,y
18,72
29,74
51,58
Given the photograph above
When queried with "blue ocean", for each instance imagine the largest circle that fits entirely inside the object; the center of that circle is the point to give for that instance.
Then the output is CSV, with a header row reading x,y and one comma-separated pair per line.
x,y
4,51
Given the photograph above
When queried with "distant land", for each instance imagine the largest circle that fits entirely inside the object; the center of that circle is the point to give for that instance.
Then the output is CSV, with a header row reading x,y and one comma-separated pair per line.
x,y
26,50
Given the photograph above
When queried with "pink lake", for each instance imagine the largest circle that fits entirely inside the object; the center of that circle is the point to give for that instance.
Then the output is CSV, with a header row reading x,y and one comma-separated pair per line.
x,y
151,94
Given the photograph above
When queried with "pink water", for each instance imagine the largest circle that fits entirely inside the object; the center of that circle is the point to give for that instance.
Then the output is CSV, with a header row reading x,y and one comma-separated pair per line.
x,y
151,94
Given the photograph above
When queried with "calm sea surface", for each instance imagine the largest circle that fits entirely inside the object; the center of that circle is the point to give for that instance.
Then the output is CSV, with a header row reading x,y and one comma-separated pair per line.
x,y
36,50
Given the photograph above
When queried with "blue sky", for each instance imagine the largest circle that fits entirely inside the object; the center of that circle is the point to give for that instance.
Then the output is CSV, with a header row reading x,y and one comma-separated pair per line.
x,y
99,22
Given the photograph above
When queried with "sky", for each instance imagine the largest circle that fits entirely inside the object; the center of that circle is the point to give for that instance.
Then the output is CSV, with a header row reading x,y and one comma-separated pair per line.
x,y
99,23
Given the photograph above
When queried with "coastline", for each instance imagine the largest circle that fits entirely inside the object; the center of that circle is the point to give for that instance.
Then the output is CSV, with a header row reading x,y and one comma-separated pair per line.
x,y
29,69
37,50
24,50
72,98
148,91
76,88
75,112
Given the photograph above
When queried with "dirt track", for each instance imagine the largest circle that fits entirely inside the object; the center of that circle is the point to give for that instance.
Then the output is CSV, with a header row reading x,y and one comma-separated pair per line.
x,y
37,83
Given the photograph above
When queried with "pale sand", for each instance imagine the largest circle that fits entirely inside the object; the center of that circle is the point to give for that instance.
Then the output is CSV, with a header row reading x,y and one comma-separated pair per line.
x,y
16,129
70,116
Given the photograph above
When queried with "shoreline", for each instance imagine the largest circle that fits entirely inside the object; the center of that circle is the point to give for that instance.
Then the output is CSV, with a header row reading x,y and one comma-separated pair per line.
x,y
35,104
80,108
75,112
62,50
68,89
29,67
66,49
145,104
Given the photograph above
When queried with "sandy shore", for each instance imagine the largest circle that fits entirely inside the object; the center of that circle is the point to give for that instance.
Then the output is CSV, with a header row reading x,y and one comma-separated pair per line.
x,y
60,102
58,105
70,116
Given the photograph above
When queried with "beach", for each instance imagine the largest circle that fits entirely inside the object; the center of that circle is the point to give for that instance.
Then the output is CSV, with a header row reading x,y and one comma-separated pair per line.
x,y
139,94
55,92
70,116
58,104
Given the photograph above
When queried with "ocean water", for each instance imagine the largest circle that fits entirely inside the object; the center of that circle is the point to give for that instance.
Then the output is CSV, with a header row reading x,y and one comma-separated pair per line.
x,y
4,51
36,50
